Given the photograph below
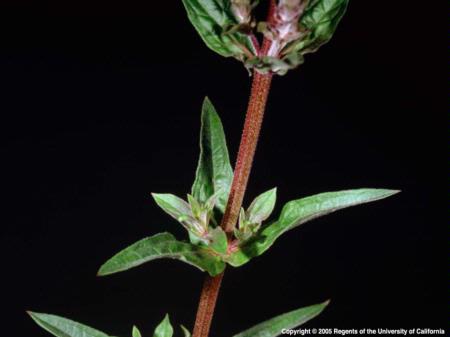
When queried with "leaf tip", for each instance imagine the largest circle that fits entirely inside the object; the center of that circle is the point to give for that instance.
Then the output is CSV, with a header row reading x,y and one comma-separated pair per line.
x,y
158,197
389,192
206,100
207,106
103,271
185,331
166,319
33,315
135,332
378,193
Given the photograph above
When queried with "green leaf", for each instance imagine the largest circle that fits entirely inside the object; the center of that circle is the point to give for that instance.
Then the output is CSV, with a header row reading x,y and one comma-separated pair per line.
x,y
320,20
172,205
163,245
182,211
297,212
261,208
214,173
212,19
219,242
164,329
275,326
63,327
136,332
185,331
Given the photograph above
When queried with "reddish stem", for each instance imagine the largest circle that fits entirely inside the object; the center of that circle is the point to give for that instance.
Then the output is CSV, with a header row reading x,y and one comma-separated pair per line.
x,y
249,140
207,304
247,148
255,43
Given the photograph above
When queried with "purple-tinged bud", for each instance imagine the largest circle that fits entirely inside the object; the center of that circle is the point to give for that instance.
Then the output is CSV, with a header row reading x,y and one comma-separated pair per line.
x,y
242,10
285,24
289,10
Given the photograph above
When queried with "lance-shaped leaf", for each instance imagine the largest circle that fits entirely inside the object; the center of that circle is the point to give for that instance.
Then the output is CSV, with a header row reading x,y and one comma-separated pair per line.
x,y
164,329
163,245
63,327
320,21
275,326
181,211
213,19
297,212
214,173
172,205
261,208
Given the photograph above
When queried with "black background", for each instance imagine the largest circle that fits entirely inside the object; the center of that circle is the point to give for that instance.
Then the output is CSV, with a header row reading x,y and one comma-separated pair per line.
x,y
100,105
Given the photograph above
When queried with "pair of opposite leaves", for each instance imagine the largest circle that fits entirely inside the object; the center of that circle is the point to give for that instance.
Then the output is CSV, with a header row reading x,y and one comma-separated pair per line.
x,y
213,180
215,20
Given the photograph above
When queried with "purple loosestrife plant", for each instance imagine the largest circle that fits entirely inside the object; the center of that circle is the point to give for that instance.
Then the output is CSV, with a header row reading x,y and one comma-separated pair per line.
x,y
220,231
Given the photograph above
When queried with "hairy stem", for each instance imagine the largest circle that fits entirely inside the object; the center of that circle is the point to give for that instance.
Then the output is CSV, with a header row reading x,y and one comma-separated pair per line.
x,y
247,148
205,310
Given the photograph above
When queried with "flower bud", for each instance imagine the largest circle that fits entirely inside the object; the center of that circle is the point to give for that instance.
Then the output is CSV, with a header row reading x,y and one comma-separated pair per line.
x,y
289,10
241,10
285,24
